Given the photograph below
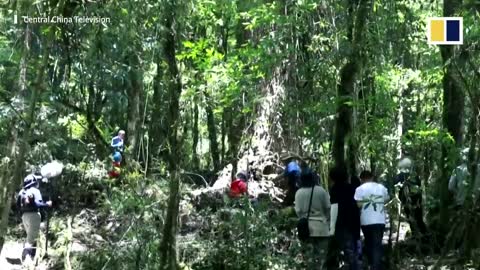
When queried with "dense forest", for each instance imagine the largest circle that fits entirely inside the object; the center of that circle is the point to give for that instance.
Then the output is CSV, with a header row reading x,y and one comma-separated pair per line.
x,y
204,89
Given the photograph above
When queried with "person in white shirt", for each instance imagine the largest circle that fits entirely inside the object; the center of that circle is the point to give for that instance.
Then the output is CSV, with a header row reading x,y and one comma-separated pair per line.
x,y
371,198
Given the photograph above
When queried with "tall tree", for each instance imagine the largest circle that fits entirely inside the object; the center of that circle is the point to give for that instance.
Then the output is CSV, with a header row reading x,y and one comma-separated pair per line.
x,y
168,247
212,130
358,11
31,98
453,114
135,89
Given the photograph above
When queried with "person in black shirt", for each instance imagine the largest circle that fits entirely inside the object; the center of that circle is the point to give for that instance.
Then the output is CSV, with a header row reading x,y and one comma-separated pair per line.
x,y
344,217
410,194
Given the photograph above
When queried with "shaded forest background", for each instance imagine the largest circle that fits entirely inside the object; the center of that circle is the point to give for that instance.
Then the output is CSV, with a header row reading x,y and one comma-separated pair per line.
x,y
205,88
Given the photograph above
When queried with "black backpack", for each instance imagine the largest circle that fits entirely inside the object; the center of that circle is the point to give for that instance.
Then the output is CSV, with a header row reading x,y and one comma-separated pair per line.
x,y
27,202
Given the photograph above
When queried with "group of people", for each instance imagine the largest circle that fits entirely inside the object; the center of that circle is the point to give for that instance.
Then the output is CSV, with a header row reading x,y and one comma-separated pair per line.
x,y
352,205
340,214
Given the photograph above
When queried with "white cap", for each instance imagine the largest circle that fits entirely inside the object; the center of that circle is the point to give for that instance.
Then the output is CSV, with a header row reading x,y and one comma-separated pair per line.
x,y
405,165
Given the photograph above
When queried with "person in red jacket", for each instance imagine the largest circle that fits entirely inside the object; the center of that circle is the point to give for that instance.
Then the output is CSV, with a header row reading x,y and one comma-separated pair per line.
x,y
115,171
239,186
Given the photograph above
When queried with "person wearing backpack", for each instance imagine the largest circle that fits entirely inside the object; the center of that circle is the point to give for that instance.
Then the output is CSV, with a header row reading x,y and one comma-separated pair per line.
x,y
371,198
29,201
312,205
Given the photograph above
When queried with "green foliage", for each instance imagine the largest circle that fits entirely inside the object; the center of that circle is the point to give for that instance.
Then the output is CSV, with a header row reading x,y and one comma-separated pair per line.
x,y
243,237
134,208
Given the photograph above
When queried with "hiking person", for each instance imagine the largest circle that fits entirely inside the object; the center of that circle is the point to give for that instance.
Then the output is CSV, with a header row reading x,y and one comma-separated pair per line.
x,y
238,187
314,198
460,179
344,217
29,201
118,142
410,194
371,197
115,171
118,146
292,174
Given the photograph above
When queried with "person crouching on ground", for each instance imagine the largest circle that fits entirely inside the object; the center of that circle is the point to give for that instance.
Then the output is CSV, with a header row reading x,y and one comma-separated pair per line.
x,y
239,186
316,246
29,201
371,198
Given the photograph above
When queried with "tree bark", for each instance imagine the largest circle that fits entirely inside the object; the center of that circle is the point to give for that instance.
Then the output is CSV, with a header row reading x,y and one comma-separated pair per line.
x,y
212,131
168,246
348,73
19,158
134,92
452,117
8,181
195,137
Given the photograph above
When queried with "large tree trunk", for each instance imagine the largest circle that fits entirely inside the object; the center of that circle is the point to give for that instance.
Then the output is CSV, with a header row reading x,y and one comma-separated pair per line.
x,y
134,91
7,174
453,113
168,246
156,131
15,174
348,73
212,131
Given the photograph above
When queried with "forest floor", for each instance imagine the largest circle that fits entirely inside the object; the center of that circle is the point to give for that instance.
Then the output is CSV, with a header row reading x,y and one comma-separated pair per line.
x,y
70,242
83,235
11,253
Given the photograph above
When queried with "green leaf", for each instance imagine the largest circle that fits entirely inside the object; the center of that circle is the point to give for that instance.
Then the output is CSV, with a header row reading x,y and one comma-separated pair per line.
x,y
188,44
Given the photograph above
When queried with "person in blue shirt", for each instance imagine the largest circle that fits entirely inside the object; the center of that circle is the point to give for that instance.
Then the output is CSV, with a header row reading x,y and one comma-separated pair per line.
x,y
29,201
292,174
118,142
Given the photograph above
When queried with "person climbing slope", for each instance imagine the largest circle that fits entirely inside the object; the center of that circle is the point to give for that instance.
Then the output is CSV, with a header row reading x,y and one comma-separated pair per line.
x,y
118,147
29,201
116,170
118,142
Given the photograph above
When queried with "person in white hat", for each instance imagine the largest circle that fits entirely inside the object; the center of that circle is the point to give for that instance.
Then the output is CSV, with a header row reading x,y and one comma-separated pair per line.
x,y
410,194
118,141
29,201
